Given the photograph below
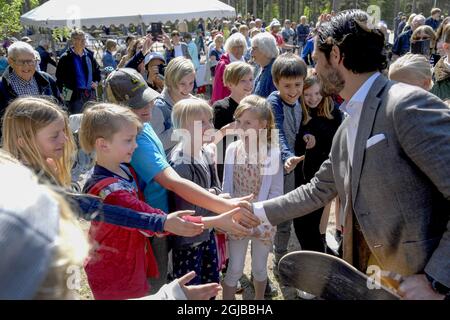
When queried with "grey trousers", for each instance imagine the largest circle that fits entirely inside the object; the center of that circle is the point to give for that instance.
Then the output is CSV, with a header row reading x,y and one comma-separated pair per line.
x,y
160,248
281,240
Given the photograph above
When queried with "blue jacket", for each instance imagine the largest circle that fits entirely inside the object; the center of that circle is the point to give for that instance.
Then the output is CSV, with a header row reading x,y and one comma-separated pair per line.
x,y
92,209
46,58
302,33
108,60
432,23
403,43
307,52
264,84
278,111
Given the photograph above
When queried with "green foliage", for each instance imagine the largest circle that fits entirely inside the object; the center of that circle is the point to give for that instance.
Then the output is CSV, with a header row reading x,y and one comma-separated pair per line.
x,y
10,12
307,11
275,11
35,3
326,8
58,34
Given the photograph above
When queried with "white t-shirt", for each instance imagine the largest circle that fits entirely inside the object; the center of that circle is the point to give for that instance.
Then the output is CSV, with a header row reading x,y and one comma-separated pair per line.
x,y
178,51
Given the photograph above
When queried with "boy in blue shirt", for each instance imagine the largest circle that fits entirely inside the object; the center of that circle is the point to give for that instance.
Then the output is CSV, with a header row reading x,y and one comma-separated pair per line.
x,y
288,74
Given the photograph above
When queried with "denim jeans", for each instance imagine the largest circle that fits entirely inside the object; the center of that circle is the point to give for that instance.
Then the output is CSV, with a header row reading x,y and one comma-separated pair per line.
x,y
79,99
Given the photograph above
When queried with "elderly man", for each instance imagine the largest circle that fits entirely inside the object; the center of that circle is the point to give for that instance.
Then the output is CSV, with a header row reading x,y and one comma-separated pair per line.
x,y
22,79
387,164
403,42
78,73
46,58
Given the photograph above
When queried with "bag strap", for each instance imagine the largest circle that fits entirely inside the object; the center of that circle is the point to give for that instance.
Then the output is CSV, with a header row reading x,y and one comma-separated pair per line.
x,y
102,184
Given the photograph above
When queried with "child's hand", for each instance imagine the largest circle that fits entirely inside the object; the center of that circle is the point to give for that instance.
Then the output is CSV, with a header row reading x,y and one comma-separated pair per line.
x,y
227,222
147,44
198,292
174,224
225,196
310,141
166,40
245,214
292,162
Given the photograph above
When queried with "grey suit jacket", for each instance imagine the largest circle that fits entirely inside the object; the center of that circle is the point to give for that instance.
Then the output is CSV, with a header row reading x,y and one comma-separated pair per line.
x,y
398,189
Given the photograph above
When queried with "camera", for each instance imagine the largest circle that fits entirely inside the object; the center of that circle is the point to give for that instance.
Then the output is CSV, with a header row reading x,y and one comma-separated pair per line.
x,y
162,69
421,47
156,31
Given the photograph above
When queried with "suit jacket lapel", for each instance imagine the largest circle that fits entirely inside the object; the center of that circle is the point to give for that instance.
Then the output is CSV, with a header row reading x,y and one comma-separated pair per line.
x,y
365,126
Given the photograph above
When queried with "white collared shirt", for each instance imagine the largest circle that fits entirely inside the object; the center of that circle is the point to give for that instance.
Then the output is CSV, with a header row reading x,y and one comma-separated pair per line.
x,y
353,108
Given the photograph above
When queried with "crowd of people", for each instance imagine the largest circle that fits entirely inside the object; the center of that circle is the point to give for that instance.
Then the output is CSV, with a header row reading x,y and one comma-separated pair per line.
x,y
176,185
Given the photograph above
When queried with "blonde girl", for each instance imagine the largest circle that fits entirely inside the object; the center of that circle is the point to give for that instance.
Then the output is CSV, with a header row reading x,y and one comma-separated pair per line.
x,y
37,133
193,160
252,165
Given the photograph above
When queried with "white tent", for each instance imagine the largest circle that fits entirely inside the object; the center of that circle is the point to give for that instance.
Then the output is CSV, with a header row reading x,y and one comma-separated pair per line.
x,y
87,13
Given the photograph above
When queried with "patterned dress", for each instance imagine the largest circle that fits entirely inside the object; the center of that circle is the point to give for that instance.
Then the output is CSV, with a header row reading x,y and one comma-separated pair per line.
x,y
247,179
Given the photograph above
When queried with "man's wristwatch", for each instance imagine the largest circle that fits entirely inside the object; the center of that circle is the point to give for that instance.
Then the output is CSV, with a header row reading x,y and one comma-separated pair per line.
x,y
439,287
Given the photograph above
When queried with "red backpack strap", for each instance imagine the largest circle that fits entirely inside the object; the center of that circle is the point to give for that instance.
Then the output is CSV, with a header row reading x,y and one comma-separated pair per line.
x,y
102,184
135,177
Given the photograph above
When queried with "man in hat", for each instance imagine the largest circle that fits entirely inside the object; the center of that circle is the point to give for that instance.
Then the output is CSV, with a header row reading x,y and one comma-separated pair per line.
x,y
275,27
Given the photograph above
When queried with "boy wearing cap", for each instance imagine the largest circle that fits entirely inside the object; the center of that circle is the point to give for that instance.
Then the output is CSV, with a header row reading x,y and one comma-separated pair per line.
x,y
127,87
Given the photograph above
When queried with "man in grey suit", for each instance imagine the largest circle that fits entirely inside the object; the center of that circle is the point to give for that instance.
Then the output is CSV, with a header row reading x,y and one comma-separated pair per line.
x,y
389,164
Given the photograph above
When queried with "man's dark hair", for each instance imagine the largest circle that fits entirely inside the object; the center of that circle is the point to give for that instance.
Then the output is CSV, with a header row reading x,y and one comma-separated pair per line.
x,y
362,47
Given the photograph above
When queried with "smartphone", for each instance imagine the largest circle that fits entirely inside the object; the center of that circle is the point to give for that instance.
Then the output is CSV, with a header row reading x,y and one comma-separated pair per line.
x,y
421,47
156,30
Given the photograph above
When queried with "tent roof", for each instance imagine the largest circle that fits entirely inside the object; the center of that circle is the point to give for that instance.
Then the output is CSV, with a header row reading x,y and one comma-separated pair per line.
x,y
87,13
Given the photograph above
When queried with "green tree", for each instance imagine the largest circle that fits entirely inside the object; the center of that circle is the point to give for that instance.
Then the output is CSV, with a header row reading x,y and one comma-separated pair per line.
x,y
10,12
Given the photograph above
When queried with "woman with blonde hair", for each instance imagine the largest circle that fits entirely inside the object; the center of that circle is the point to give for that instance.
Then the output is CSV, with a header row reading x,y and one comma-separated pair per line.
x,y
178,85
423,41
133,48
413,69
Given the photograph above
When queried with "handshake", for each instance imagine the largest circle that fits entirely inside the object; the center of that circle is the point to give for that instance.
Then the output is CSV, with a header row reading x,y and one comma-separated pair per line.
x,y
237,219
